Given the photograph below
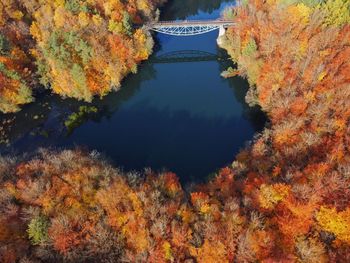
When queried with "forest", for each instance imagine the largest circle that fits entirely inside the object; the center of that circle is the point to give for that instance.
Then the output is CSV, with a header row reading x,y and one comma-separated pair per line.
x,y
286,196
77,48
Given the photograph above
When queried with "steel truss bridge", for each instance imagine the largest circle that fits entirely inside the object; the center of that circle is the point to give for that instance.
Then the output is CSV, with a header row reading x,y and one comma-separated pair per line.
x,y
189,28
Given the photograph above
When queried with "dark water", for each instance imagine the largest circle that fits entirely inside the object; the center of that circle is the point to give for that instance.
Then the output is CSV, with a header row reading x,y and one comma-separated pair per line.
x,y
173,114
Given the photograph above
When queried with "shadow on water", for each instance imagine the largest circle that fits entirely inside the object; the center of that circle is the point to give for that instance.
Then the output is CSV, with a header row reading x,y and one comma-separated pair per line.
x,y
45,118
240,87
175,114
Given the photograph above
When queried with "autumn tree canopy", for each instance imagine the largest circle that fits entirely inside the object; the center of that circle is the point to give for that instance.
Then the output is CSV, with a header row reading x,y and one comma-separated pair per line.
x,y
16,68
285,198
78,49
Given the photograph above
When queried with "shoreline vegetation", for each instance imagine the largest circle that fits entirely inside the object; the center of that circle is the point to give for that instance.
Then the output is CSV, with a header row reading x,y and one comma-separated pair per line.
x,y
77,49
285,198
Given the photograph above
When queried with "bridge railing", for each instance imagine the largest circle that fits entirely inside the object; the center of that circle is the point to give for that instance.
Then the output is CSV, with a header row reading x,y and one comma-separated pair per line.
x,y
176,23
194,21
189,27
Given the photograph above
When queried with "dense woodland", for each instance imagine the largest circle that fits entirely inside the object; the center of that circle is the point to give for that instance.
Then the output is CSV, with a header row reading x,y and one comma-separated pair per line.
x,y
285,198
76,48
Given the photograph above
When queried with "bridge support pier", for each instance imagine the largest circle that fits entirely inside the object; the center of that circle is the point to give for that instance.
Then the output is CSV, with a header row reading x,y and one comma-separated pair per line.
x,y
222,32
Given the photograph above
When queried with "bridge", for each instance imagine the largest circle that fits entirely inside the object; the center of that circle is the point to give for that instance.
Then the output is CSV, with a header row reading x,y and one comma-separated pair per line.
x,y
190,28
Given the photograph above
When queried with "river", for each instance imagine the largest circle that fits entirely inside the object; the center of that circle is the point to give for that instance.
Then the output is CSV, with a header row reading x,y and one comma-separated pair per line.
x,y
174,114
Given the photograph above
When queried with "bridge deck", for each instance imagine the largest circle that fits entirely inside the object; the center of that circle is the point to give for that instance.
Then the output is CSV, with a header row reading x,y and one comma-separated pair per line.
x,y
192,23
189,27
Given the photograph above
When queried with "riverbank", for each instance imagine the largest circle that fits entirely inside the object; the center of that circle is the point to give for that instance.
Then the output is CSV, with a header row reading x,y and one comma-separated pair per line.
x,y
285,198
296,170
76,49
169,116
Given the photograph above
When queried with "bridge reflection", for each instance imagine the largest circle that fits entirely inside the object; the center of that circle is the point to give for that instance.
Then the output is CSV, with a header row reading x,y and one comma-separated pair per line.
x,y
183,56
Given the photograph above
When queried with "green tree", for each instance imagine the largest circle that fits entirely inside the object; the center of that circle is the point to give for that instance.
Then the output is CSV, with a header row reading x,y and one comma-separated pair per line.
x,y
37,230
4,45
337,12
127,23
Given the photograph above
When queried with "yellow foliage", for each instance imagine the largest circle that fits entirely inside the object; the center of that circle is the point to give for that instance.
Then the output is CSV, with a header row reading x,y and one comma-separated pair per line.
x,y
35,32
322,75
59,2
115,27
270,195
60,17
137,205
205,208
83,19
17,15
310,96
97,20
299,13
143,5
337,12
336,222
303,48
167,251
136,234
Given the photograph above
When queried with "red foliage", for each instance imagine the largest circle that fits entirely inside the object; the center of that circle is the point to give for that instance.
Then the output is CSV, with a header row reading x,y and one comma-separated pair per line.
x,y
286,198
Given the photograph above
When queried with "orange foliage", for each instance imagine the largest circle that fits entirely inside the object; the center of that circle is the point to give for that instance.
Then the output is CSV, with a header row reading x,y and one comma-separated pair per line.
x,y
79,49
16,77
300,163
98,43
286,198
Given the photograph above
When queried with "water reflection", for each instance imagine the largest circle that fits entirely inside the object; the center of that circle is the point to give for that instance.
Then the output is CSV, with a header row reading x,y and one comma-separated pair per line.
x,y
191,127
176,113
182,56
46,117
180,10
